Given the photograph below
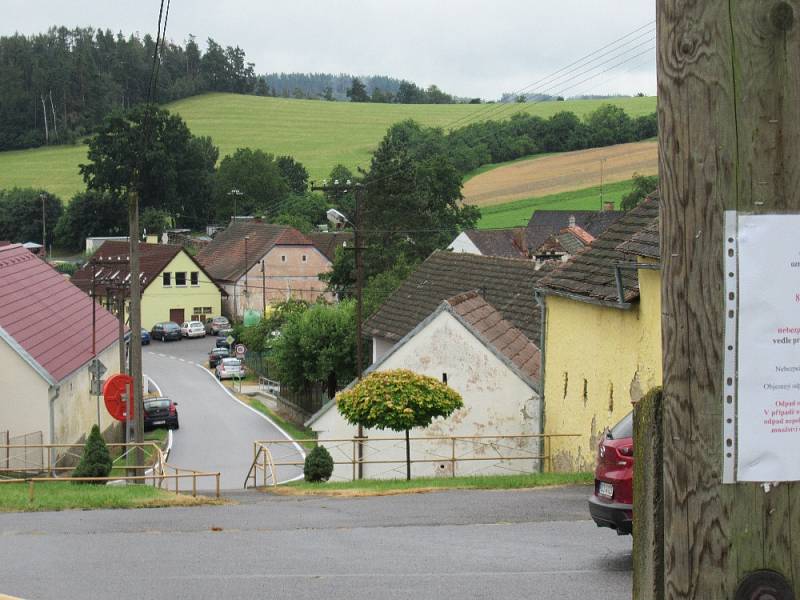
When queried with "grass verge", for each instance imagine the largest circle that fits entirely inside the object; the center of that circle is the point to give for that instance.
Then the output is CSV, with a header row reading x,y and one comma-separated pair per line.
x,y
158,435
518,212
387,487
14,497
296,432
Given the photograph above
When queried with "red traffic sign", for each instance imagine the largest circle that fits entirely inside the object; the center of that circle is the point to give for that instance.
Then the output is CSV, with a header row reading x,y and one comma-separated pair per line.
x,y
240,350
113,390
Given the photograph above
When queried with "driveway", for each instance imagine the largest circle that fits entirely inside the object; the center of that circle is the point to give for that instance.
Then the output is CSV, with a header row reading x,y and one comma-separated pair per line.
x,y
216,430
526,544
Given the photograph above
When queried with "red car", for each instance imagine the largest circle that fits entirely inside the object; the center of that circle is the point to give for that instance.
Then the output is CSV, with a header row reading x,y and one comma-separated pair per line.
x,y
611,505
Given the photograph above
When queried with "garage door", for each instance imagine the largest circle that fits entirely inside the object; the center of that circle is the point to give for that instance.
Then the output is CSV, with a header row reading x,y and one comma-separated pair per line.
x,y
176,315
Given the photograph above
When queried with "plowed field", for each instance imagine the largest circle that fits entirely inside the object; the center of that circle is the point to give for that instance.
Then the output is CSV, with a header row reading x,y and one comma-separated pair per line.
x,y
561,173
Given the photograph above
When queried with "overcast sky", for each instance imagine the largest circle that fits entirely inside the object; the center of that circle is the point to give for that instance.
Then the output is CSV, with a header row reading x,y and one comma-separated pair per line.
x,y
466,47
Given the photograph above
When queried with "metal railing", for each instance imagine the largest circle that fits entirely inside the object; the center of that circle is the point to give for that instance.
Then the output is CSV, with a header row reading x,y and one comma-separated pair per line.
x,y
158,472
498,452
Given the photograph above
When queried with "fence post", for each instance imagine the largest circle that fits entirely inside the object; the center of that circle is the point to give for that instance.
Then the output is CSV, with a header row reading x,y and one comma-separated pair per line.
x,y
217,478
648,499
194,485
453,457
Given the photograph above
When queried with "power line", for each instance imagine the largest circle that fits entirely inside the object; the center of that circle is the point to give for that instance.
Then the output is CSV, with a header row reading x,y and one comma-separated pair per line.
x,y
155,56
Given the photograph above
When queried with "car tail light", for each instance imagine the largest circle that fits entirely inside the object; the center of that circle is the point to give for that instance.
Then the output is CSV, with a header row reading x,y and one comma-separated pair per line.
x,y
172,410
626,450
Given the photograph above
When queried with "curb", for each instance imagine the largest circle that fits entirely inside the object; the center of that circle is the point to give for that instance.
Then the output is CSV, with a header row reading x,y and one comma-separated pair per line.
x,y
297,446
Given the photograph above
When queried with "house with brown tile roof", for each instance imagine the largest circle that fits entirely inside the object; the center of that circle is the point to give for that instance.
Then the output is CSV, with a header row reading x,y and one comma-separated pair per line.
x,y
505,243
259,263
175,286
602,346
328,242
466,342
507,284
562,245
46,344
546,223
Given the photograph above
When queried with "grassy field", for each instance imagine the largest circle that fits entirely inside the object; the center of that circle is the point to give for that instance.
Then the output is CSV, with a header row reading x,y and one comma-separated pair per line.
x,y
64,496
318,134
518,213
379,487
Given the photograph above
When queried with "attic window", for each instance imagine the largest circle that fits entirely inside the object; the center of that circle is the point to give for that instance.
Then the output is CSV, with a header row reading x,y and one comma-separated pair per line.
x,y
283,258
195,278
180,279
305,258
444,378
166,279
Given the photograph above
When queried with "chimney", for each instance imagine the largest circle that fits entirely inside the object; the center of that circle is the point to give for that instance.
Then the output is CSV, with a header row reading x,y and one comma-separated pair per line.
x,y
608,206
572,220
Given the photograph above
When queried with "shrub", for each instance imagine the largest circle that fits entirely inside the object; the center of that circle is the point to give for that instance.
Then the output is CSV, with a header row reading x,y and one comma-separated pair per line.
x,y
96,461
318,465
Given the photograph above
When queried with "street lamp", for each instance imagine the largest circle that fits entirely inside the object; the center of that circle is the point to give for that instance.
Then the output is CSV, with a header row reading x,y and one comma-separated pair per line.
x,y
236,193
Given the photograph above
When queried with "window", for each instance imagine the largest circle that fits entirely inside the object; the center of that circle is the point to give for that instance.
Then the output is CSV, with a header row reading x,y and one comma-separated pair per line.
x,y
444,378
195,275
180,279
305,258
206,310
197,310
166,279
283,258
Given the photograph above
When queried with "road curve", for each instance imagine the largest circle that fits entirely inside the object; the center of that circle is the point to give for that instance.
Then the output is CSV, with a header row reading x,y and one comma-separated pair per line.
x,y
216,430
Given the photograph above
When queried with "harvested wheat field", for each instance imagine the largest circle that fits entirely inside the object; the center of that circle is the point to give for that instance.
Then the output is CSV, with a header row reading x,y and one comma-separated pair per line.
x,y
561,173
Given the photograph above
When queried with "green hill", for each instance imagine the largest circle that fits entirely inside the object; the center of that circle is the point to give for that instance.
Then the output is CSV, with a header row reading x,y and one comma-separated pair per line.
x,y
318,134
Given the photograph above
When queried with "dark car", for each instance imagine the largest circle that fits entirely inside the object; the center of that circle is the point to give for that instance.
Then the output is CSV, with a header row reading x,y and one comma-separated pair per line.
x,y
213,326
166,331
145,337
160,412
222,342
216,355
611,505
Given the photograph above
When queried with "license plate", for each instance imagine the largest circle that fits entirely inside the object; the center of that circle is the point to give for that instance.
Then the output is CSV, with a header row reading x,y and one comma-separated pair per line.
x,y
606,490
159,422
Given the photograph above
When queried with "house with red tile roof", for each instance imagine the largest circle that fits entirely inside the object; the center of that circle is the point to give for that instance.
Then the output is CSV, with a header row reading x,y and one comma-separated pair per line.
x,y
468,343
175,287
259,263
46,345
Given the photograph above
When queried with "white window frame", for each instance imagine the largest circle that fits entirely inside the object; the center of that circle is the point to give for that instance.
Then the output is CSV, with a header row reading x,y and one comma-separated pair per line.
x,y
194,275
166,275
184,279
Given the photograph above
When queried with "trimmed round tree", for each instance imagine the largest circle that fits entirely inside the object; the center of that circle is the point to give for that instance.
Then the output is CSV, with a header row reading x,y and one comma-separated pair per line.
x,y
398,400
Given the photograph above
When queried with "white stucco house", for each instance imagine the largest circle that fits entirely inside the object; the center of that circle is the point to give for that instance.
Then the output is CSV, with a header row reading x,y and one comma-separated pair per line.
x,y
495,367
45,349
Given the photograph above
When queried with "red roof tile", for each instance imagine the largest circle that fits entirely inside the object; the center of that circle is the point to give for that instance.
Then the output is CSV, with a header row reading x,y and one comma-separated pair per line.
x,y
47,316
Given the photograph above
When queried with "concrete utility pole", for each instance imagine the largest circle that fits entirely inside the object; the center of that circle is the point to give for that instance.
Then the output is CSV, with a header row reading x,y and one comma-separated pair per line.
x,y
136,323
729,138
44,225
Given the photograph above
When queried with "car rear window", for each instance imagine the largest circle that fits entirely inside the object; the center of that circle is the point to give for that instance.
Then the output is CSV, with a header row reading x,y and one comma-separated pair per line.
x,y
230,362
623,429
171,326
156,404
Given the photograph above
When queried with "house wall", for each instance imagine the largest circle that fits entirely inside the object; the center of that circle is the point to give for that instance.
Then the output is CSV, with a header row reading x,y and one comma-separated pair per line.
x,y
598,360
286,275
496,401
157,300
380,347
23,396
463,244
75,409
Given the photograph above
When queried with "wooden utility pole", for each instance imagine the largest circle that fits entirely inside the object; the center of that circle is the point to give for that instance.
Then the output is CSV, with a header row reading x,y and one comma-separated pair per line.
x,y
729,138
136,323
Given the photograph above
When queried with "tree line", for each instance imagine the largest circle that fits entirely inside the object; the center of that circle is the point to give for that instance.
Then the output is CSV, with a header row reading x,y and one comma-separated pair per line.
x,y
58,85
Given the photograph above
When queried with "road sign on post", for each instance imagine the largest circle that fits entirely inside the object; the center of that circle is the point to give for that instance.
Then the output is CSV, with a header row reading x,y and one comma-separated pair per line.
x,y
241,350
97,368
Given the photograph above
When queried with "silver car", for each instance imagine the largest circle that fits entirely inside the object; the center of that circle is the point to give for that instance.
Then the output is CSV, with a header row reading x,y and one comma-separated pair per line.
x,y
230,368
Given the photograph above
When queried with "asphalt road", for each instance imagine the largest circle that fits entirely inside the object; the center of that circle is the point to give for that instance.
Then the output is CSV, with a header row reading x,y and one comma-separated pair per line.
x,y
216,430
457,544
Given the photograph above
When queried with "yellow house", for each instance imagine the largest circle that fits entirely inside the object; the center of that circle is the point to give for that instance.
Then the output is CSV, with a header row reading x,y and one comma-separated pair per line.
x,y
174,285
602,340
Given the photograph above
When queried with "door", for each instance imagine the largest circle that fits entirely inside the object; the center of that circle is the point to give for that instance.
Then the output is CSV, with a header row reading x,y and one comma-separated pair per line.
x,y
176,315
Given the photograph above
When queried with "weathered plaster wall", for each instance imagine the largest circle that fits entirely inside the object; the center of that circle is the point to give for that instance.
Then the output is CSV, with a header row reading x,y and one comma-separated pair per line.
x,y
597,361
23,396
380,347
463,244
286,275
496,401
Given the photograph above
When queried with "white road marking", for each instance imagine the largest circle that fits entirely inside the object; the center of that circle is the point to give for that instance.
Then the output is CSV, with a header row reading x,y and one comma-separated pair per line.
x,y
263,416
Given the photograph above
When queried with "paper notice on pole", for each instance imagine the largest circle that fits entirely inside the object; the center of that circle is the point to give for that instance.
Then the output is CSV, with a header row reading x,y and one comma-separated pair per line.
x,y
768,357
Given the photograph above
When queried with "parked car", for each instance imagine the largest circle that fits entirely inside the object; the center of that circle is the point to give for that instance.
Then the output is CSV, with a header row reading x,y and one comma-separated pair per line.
x,y
166,331
193,329
145,337
222,342
160,412
611,504
216,355
214,325
228,368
